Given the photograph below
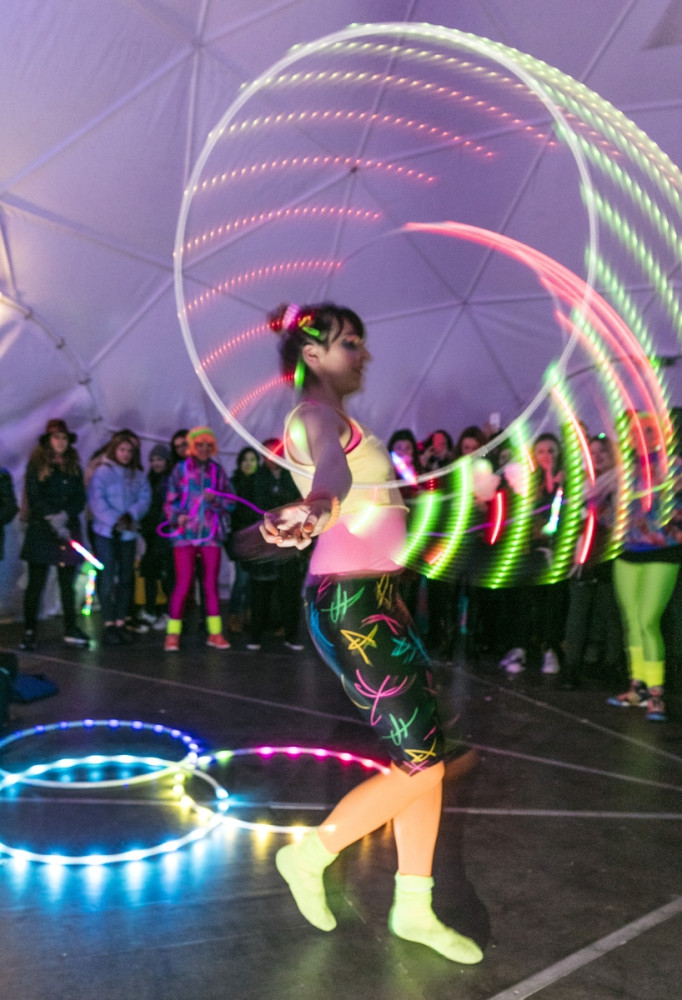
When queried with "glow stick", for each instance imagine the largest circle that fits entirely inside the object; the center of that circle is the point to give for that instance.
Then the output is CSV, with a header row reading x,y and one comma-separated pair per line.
x,y
89,591
551,525
403,469
88,556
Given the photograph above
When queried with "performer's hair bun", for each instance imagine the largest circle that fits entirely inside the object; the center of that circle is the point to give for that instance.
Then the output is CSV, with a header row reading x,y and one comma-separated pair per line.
x,y
288,318
276,318
298,325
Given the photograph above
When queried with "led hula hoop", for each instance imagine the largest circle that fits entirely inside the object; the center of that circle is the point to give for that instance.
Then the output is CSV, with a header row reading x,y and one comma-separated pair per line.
x,y
267,752
632,195
31,775
193,765
207,821
158,768
203,246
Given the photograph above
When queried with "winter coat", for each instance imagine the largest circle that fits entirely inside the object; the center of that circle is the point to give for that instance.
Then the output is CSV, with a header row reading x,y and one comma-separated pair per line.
x,y
116,490
8,505
59,492
158,484
195,488
243,487
270,491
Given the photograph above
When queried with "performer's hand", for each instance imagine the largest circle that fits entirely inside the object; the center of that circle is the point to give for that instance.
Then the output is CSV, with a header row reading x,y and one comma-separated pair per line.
x,y
296,524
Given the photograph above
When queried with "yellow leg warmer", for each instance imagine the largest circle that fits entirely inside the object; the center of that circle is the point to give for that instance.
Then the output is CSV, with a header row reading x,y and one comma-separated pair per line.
x,y
214,624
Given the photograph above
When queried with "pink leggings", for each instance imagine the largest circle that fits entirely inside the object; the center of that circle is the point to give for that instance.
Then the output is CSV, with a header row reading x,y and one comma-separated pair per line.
x,y
185,557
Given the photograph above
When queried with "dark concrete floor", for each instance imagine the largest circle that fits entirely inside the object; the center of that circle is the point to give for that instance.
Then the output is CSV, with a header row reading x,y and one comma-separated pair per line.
x,y
559,852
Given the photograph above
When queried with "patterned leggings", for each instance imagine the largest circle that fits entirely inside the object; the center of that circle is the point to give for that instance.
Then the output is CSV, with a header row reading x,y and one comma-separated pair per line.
x,y
363,631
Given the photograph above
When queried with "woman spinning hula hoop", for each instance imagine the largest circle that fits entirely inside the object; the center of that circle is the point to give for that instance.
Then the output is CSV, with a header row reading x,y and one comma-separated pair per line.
x,y
360,626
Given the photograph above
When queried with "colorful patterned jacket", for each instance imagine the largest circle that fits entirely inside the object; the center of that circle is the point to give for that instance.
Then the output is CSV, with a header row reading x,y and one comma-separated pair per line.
x,y
198,490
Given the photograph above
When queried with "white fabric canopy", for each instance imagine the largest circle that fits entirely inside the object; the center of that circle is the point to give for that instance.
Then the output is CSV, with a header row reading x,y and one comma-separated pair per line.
x,y
108,106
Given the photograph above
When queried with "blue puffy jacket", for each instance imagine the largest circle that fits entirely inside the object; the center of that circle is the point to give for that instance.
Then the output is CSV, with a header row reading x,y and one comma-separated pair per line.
x,y
115,490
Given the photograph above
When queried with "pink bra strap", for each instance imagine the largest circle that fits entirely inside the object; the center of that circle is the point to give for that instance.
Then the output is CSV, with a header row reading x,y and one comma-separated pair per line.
x,y
355,436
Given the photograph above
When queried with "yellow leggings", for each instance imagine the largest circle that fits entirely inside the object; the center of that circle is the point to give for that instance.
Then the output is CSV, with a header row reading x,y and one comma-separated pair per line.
x,y
643,590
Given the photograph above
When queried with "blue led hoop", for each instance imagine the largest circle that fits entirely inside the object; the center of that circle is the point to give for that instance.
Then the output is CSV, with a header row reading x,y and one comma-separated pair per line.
x,y
29,775
190,766
213,819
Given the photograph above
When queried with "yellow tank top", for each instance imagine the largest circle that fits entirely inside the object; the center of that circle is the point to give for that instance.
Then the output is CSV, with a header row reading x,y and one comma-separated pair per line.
x,y
368,461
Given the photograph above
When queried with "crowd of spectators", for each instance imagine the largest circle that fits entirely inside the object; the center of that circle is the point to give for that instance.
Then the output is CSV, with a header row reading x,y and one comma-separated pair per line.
x,y
161,533
157,536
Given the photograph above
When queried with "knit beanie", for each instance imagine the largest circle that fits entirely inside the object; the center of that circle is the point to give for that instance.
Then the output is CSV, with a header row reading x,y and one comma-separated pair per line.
x,y
160,451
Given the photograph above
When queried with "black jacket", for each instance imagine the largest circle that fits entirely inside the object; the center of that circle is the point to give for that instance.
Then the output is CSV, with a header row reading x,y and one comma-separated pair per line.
x,y
8,505
57,492
270,491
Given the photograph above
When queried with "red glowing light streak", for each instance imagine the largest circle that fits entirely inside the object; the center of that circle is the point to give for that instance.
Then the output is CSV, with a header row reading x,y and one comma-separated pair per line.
x,y
88,556
279,215
435,555
319,161
251,397
626,347
576,293
630,408
575,423
238,340
588,538
499,509
573,290
289,267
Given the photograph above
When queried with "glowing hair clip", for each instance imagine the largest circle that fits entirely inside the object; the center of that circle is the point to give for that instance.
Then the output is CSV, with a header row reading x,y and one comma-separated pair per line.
x,y
290,317
310,330
299,375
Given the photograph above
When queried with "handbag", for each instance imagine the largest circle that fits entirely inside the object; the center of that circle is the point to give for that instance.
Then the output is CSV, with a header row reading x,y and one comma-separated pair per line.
x,y
32,687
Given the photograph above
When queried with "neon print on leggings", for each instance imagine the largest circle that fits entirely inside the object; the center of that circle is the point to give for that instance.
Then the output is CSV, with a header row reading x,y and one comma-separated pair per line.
x,y
366,620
